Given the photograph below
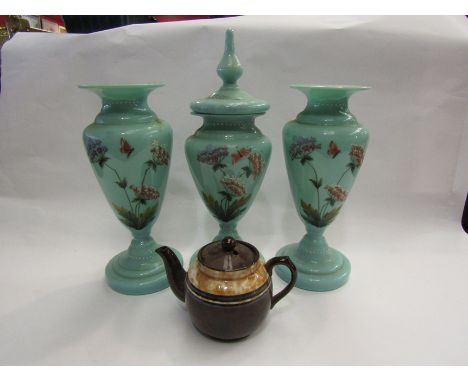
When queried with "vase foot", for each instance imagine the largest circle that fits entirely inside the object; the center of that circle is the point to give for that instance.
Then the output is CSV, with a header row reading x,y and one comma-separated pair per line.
x,y
310,276
148,277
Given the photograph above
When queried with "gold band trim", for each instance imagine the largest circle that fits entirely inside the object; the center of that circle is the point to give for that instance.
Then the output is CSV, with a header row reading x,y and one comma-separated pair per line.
x,y
229,302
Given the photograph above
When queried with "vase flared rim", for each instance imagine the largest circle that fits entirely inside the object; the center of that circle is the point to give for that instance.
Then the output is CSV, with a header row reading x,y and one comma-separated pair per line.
x,y
149,85
330,87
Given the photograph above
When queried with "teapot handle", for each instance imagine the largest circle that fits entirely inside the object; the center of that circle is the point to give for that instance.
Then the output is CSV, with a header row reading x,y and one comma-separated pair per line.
x,y
286,261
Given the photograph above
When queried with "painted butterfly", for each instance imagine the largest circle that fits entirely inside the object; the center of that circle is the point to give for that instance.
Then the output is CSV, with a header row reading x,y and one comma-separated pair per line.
x,y
242,153
333,149
125,147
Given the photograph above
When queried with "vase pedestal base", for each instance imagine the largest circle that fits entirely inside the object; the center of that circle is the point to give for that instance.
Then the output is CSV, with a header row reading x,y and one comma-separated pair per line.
x,y
137,275
319,276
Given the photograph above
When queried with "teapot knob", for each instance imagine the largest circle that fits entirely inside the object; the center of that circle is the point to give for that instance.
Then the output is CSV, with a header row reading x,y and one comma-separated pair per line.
x,y
228,244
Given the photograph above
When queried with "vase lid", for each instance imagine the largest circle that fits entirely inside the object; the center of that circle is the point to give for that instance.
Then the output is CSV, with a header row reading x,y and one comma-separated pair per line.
x,y
228,255
229,98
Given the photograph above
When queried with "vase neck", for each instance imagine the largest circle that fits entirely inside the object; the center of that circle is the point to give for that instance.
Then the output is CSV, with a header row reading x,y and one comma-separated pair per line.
x,y
327,105
327,112
124,104
125,111
239,123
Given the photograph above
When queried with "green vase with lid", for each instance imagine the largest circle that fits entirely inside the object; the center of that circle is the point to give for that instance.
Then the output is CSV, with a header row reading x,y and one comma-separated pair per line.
x,y
228,155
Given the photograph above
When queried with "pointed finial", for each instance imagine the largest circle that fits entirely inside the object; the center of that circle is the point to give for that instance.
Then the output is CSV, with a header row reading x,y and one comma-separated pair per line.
x,y
229,44
229,68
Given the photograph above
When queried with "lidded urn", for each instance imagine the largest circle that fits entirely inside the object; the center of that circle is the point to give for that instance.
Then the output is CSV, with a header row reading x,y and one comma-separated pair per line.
x,y
228,155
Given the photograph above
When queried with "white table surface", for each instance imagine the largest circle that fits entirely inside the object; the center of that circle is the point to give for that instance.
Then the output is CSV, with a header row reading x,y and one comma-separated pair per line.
x,y
407,299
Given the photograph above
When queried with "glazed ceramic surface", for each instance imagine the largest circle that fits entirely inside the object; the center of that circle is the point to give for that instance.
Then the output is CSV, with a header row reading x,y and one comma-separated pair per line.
x,y
324,148
228,155
129,149
228,291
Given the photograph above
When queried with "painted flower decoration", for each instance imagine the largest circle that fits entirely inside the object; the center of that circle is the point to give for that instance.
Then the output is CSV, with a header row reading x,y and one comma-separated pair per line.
x,y
302,147
145,193
337,193
213,156
96,151
234,185
357,155
160,154
256,164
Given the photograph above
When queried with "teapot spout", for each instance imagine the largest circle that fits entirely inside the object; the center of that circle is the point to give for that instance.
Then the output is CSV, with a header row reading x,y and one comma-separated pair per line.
x,y
174,271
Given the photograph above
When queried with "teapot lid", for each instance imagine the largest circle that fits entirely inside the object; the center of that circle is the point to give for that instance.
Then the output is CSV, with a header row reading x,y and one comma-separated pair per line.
x,y
229,98
228,255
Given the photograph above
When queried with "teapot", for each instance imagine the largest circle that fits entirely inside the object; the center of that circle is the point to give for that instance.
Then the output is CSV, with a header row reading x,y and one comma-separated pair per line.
x,y
228,288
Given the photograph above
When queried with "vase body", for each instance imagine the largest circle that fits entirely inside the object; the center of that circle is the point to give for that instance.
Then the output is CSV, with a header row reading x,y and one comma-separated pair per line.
x,y
129,149
228,157
324,148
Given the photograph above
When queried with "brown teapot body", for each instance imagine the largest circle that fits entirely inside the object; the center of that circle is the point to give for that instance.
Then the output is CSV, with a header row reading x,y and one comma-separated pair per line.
x,y
228,289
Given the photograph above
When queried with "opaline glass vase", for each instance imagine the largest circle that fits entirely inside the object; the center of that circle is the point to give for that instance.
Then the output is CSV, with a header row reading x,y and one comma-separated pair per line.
x,y
324,149
129,149
228,155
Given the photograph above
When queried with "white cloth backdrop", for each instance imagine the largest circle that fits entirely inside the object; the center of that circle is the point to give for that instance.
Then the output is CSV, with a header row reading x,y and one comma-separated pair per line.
x,y
407,298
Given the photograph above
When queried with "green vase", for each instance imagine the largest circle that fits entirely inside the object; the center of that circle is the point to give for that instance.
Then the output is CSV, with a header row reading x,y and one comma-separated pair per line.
x,y
228,155
129,149
324,149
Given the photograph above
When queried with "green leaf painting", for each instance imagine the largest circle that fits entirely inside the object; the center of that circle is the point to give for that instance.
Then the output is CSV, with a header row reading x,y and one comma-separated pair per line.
x,y
121,183
133,220
225,211
312,216
317,183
